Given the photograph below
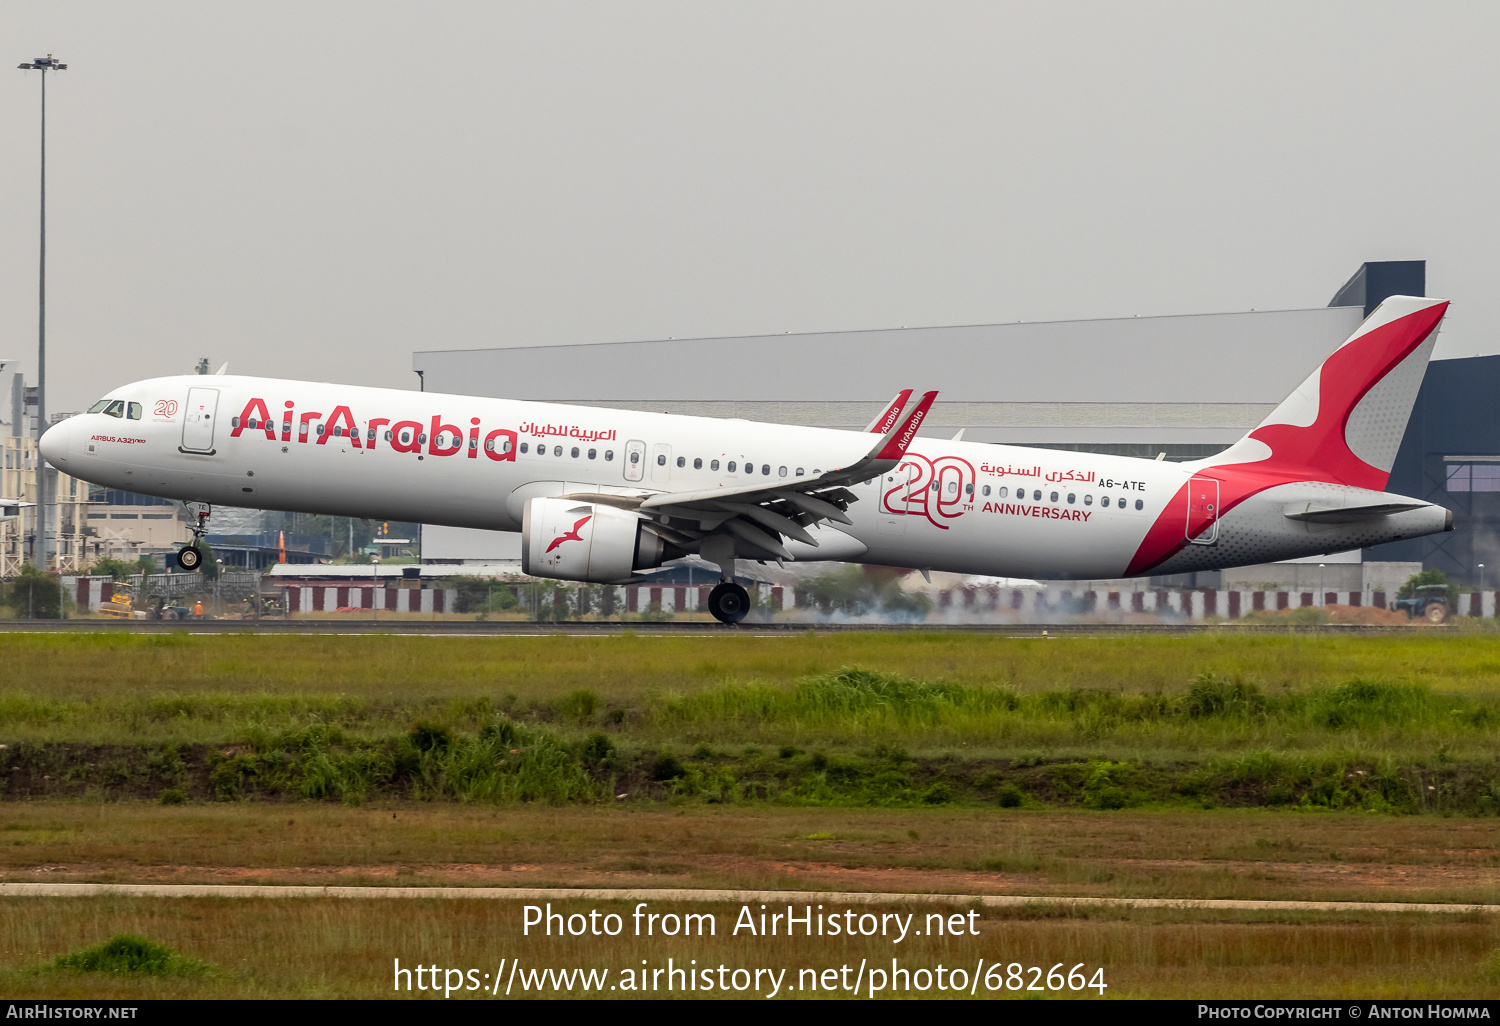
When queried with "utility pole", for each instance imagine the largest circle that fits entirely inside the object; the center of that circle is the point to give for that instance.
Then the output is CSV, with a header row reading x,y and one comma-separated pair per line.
x,y
39,536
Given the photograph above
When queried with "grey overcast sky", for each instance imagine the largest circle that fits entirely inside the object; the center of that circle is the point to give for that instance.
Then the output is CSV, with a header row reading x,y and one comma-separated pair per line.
x,y
316,189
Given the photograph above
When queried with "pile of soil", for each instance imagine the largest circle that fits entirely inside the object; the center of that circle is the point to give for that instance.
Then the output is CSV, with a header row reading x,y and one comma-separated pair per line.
x,y
1368,615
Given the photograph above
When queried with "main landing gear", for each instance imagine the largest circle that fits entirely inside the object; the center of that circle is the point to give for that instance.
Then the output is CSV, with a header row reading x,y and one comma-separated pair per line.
x,y
729,603
191,557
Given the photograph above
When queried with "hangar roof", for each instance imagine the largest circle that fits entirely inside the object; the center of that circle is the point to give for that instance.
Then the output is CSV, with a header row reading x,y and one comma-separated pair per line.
x,y
1250,357
1181,382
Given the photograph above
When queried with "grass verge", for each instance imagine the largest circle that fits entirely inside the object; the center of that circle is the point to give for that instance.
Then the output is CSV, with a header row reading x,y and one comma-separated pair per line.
x,y
320,948
854,736
128,954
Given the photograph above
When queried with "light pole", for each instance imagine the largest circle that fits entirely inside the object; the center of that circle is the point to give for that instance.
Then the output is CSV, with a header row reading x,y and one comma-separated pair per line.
x,y
39,536
1322,595
1481,589
375,590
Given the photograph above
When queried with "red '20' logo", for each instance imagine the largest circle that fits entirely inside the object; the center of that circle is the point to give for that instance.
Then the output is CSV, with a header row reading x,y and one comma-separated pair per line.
x,y
165,408
940,489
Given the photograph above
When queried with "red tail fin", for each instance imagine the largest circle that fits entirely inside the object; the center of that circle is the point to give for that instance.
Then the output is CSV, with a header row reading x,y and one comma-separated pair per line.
x,y
1345,422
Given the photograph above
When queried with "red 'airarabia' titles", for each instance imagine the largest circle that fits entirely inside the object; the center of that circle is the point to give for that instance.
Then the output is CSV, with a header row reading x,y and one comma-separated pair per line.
x,y
403,435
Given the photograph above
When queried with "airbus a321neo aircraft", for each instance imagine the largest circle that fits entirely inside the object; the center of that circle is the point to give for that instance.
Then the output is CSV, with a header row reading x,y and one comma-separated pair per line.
x,y
600,495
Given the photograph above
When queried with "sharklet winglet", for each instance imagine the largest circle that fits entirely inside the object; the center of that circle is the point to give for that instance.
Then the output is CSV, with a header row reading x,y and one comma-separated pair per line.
x,y
894,445
888,417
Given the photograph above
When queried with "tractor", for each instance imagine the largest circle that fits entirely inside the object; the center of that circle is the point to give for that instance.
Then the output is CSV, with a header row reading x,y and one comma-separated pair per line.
x,y
1428,602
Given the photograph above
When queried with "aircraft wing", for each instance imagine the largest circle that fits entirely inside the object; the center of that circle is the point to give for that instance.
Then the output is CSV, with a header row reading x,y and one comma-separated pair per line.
x,y
759,515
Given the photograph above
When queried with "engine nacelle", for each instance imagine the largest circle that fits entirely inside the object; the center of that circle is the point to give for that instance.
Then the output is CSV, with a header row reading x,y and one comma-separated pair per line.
x,y
586,541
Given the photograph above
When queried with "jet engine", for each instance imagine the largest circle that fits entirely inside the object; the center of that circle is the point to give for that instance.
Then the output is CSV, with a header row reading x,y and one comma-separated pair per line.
x,y
586,541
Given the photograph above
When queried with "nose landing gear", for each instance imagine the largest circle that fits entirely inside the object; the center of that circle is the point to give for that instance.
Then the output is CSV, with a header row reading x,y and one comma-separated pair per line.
x,y
191,557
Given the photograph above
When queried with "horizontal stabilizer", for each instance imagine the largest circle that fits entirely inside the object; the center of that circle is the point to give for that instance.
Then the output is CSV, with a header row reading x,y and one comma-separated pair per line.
x,y
1311,514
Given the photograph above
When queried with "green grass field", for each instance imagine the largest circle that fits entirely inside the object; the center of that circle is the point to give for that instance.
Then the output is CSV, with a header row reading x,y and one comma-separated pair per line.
x,y
87,666
1206,766
1383,724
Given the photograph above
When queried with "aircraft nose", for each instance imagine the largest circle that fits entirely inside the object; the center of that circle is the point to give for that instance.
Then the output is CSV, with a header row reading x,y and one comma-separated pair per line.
x,y
56,442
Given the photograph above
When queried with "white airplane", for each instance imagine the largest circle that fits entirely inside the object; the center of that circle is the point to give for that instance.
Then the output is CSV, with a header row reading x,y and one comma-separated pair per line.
x,y
600,495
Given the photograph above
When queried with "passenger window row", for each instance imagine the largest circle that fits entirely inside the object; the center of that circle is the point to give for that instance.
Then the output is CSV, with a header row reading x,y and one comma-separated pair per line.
x,y
557,450
1003,492
952,488
731,467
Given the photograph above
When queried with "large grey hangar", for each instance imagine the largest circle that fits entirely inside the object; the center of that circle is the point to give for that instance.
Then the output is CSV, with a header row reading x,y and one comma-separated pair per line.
x,y
1186,386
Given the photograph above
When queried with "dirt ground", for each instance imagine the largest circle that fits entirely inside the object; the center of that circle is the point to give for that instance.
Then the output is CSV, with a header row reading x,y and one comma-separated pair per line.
x,y
1377,883
1370,616
329,947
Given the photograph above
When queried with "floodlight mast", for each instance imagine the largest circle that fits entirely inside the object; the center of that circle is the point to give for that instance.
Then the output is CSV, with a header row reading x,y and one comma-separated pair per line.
x,y
39,535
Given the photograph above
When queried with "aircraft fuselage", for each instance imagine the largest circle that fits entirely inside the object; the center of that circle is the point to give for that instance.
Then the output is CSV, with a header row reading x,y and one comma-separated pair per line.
x,y
467,461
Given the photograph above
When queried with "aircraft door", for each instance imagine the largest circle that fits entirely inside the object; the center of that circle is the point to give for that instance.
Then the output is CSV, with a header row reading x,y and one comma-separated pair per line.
x,y
661,463
635,460
900,496
1203,511
198,420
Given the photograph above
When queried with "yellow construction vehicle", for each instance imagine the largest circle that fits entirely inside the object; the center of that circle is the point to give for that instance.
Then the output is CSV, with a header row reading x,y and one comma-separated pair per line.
x,y
120,605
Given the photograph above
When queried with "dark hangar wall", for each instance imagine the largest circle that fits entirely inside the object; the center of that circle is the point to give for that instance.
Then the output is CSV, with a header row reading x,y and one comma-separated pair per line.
x,y
1454,428
1376,280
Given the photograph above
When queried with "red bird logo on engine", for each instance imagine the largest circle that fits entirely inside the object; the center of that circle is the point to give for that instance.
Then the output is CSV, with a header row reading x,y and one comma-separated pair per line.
x,y
572,535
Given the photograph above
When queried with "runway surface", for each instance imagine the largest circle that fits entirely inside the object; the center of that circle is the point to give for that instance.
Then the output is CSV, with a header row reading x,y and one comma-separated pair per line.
x,y
94,890
482,629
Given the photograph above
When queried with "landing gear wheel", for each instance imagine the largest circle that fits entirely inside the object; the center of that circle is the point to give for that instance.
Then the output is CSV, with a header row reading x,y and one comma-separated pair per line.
x,y
729,603
1436,613
189,558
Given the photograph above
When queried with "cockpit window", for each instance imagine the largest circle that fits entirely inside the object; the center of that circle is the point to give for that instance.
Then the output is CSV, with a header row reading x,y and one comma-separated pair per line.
x,y
99,406
115,409
135,411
